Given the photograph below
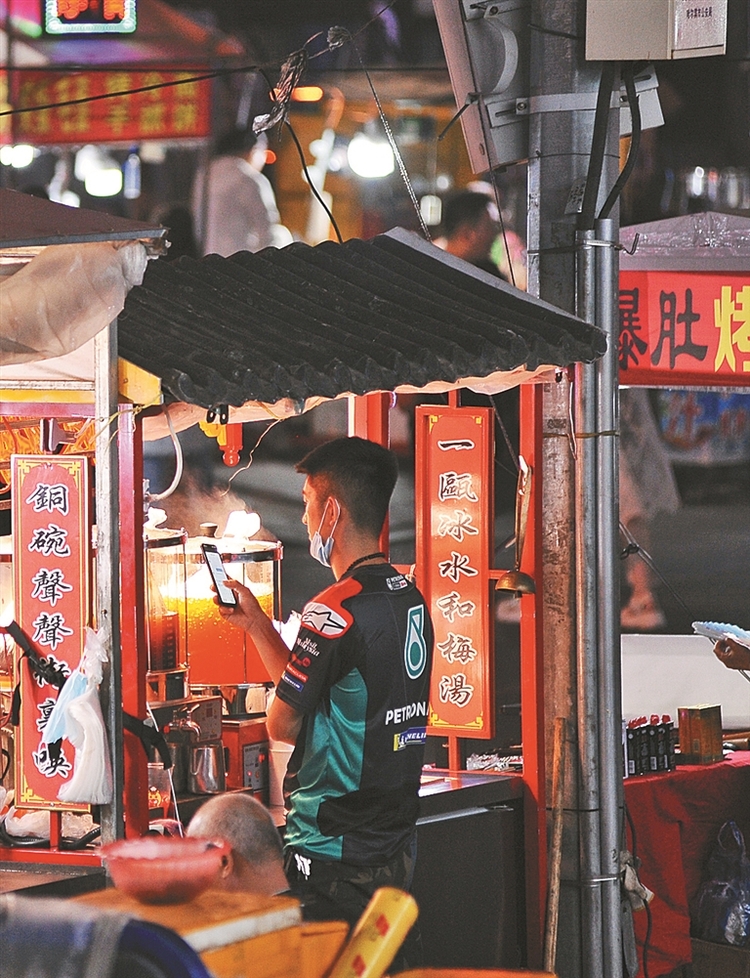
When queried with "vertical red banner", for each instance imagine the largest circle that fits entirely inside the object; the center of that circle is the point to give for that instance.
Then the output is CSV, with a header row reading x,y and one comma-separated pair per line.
x,y
454,547
51,563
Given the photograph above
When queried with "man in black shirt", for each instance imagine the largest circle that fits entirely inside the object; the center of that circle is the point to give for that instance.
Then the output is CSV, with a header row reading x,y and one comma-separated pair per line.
x,y
352,695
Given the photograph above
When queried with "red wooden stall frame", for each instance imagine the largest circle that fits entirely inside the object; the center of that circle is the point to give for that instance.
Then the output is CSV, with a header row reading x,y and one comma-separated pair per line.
x,y
132,634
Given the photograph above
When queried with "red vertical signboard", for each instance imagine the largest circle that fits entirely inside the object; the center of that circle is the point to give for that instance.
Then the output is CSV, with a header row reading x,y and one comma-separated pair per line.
x,y
51,561
684,328
455,531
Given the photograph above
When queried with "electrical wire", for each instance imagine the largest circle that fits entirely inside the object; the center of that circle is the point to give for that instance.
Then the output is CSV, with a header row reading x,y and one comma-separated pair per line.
x,y
634,547
172,791
493,181
188,80
598,145
253,449
506,437
635,141
338,36
179,464
316,193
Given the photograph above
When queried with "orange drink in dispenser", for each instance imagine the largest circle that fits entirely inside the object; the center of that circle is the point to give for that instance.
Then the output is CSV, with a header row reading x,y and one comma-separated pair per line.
x,y
221,653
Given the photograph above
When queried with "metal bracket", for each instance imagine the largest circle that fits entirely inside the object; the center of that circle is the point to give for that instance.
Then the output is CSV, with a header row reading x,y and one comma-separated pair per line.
x,y
52,436
222,410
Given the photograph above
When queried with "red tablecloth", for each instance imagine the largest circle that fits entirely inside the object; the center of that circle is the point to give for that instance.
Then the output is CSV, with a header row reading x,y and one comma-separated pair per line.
x,y
677,817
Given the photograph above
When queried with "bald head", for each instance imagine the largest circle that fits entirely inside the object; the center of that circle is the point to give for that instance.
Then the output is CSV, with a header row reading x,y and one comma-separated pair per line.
x,y
256,862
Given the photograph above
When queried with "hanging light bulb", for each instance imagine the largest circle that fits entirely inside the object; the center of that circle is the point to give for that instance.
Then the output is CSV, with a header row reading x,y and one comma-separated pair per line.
x,y
18,156
370,158
106,182
100,173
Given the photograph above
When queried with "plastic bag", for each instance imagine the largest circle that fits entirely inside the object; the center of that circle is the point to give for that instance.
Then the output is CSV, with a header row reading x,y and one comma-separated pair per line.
x,y
91,781
721,908
89,671
56,726
77,715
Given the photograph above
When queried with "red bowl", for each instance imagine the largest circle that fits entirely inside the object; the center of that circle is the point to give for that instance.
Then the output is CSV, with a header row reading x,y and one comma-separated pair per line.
x,y
159,869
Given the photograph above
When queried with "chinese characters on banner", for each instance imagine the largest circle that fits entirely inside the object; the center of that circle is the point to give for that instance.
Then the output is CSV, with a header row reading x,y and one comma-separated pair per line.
x,y
455,528
177,112
684,328
51,563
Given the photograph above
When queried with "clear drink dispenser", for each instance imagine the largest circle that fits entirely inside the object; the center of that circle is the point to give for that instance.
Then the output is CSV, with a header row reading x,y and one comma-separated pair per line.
x,y
166,613
222,654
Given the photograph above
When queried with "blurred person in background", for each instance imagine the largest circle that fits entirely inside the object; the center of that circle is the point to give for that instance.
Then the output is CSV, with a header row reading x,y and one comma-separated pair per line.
x,y
470,225
181,236
235,210
647,489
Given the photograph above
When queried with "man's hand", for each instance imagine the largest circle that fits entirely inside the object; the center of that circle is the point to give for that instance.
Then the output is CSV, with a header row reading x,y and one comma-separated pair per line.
x,y
249,615
247,612
732,654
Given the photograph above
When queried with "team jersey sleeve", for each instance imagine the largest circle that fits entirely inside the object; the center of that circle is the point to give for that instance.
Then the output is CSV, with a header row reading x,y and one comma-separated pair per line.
x,y
317,658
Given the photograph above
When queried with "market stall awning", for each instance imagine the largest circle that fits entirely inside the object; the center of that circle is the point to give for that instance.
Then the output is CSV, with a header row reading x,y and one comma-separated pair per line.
x,y
299,323
64,275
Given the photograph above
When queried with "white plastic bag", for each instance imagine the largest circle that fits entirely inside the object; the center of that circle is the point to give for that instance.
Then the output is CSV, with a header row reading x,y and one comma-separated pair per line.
x,y
91,782
92,769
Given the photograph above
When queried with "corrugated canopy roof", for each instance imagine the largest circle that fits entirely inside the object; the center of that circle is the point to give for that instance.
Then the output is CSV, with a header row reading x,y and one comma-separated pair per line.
x,y
301,322
33,223
706,242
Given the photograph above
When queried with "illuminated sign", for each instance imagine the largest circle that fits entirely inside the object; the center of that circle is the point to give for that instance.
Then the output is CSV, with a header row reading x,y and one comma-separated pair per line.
x,y
51,565
174,111
684,328
62,17
455,527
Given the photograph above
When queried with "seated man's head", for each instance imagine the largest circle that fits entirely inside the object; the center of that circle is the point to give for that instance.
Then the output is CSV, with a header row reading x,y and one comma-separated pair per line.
x,y
255,864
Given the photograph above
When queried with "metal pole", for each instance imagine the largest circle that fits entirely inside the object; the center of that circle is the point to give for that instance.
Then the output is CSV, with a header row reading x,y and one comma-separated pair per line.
x,y
586,627
608,641
559,147
108,563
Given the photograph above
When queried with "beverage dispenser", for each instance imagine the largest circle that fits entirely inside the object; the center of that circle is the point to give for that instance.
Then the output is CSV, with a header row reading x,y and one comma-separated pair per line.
x,y
166,614
222,655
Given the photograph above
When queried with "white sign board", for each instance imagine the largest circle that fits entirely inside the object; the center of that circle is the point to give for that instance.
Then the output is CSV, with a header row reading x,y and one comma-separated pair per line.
x,y
663,672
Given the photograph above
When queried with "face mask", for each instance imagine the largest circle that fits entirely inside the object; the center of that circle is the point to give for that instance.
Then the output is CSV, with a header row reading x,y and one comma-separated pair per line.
x,y
322,551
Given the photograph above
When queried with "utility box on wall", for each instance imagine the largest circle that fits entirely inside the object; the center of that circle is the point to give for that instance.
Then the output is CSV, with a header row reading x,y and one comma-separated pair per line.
x,y
655,30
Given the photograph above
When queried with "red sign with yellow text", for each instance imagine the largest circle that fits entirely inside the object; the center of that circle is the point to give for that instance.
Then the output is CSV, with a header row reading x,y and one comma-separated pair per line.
x,y
455,531
684,328
179,111
51,563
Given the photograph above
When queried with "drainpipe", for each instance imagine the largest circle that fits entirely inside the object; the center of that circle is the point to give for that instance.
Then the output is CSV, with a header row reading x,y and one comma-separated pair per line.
x,y
585,488
608,631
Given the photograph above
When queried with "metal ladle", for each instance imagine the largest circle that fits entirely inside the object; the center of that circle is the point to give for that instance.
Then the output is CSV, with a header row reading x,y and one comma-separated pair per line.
x,y
516,580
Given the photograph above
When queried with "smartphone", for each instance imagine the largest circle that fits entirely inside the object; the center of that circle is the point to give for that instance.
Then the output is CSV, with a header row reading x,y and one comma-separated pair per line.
x,y
218,574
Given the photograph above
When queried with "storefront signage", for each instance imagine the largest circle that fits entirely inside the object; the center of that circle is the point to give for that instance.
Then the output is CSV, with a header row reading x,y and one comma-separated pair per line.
x,y
684,328
176,112
65,17
455,527
51,562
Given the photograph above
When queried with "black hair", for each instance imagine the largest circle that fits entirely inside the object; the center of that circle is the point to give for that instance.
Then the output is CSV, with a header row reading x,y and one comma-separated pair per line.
x,y
464,207
359,472
236,142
